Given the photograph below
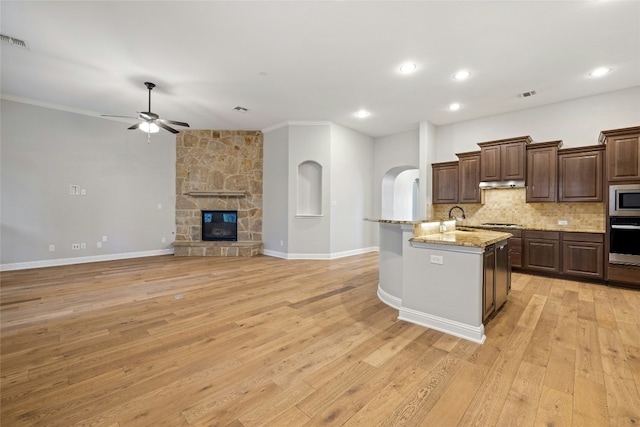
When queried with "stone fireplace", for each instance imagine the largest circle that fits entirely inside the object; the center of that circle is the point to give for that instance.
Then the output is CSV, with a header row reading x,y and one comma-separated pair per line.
x,y
218,171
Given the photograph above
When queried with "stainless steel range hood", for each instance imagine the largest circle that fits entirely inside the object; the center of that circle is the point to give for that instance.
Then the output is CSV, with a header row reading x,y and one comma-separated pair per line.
x,y
490,185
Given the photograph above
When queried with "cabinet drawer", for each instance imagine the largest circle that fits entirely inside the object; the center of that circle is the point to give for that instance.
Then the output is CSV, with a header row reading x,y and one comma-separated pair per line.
x,y
624,273
583,237
549,235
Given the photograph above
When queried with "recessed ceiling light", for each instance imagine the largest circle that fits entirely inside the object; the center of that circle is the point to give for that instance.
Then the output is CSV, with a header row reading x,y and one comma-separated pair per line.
x,y
461,75
599,72
362,114
454,107
408,67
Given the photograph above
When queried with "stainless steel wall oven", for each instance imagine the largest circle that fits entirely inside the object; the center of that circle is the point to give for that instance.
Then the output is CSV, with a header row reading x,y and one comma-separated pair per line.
x,y
624,224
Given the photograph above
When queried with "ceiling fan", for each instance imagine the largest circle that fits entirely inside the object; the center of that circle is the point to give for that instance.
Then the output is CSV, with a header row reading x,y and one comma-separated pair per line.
x,y
151,122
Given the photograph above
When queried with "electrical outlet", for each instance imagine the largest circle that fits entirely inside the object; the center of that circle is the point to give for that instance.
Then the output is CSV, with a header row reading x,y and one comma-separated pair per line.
x,y
437,259
98,245
159,206
83,246
52,248
164,240
75,246
104,238
563,222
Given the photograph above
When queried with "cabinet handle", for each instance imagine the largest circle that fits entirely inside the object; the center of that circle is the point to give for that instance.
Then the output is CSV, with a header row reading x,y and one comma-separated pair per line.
x,y
626,227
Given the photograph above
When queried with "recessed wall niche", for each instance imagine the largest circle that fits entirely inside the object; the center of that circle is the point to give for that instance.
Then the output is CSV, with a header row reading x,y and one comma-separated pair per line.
x,y
309,189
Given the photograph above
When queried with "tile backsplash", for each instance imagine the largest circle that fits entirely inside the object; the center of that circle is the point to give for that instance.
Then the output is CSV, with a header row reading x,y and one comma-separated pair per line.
x,y
509,206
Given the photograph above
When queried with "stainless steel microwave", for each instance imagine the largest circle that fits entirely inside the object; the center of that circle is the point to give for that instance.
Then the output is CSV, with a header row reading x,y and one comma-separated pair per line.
x,y
624,200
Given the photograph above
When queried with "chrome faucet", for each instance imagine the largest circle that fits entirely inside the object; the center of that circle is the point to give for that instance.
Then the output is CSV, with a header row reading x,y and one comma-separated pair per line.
x,y
461,210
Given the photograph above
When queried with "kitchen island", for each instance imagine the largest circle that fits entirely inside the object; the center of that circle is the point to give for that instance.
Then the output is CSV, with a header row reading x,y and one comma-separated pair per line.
x,y
443,280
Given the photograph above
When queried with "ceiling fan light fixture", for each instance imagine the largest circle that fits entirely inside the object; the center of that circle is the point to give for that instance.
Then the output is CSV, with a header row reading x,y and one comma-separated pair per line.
x,y
149,127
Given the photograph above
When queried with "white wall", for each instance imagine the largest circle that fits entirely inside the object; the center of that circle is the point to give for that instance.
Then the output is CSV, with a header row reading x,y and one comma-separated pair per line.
x,y
46,150
275,190
309,235
392,152
577,123
352,190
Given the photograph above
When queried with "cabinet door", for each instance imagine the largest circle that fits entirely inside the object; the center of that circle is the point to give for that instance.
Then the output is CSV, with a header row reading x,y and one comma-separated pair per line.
x,y
623,157
515,252
583,259
488,283
490,163
512,161
469,179
445,183
541,174
580,176
542,255
502,275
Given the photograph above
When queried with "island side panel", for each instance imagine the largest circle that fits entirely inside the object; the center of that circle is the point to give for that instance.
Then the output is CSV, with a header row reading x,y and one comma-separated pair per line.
x,y
390,264
447,296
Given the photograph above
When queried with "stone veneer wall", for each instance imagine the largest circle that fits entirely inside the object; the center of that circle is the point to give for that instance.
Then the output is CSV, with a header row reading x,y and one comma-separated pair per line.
x,y
510,206
215,160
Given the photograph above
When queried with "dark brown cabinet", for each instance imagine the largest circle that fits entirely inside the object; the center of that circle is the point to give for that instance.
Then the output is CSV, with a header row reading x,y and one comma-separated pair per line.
x,y
469,177
623,153
542,251
444,183
515,248
580,174
582,254
629,275
542,168
496,278
488,282
503,160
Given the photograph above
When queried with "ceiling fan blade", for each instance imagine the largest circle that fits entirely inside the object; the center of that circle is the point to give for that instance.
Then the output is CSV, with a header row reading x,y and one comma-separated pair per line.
x,y
165,127
136,126
173,122
123,117
148,115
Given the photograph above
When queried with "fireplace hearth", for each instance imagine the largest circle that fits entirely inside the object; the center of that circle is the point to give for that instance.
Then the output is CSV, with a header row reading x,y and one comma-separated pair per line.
x,y
219,226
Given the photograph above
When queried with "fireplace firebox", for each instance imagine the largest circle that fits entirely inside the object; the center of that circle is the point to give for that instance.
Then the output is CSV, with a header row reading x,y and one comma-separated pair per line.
x,y
220,226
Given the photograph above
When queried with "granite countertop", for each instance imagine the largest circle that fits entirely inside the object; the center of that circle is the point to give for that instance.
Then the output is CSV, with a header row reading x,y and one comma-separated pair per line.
x,y
538,227
394,221
464,237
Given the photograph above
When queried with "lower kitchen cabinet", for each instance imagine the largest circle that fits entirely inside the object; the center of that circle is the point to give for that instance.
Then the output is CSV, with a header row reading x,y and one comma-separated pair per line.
x,y
488,285
542,251
583,254
496,278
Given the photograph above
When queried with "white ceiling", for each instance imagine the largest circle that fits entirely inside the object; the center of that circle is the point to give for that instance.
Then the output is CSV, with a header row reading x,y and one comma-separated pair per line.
x,y
316,60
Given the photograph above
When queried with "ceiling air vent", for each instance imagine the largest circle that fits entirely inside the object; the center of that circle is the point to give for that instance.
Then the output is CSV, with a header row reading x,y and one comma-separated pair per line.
x,y
240,109
14,41
528,94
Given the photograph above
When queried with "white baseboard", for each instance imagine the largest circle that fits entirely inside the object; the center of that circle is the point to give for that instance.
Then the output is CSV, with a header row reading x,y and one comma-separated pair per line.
x,y
451,327
82,260
285,255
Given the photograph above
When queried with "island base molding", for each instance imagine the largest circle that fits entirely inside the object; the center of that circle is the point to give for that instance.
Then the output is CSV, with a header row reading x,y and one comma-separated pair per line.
x,y
389,299
461,330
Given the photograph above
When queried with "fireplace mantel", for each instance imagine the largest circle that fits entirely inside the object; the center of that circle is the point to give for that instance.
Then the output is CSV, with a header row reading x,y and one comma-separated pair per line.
x,y
219,193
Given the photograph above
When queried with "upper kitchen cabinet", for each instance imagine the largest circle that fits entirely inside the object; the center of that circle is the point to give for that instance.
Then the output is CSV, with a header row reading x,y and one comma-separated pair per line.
x,y
623,153
445,183
542,171
580,174
504,159
469,177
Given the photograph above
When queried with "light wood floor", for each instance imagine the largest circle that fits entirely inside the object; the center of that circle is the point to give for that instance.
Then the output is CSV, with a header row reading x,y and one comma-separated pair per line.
x,y
264,341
